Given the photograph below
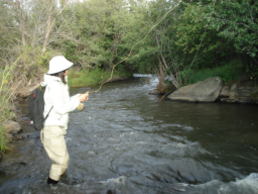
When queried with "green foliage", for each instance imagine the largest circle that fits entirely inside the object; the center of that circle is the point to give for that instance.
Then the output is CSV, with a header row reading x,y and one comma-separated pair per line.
x,y
86,78
218,31
121,71
252,70
237,21
197,37
6,107
102,33
6,93
97,34
33,63
227,73
3,140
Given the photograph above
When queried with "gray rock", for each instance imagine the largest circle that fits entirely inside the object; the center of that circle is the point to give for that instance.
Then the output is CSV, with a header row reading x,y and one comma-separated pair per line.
x,y
228,100
225,91
203,91
240,94
11,126
21,136
232,94
244,100
245,91
9,136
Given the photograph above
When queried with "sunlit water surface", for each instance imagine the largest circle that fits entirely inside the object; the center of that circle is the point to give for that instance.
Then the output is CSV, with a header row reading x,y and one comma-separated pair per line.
x,y
130,142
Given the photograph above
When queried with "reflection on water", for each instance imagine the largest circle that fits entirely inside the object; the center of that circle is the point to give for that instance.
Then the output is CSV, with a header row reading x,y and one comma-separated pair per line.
x,y
128,141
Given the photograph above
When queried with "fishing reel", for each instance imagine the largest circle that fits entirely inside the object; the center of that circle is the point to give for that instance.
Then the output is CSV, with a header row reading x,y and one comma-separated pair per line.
x,y
80,107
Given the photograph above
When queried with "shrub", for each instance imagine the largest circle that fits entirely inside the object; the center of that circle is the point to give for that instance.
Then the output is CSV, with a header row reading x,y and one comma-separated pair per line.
x,y
3,140
227,73
86,78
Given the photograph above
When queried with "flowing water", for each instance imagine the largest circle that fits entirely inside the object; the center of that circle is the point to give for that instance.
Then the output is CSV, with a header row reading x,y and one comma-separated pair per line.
x,y
126,141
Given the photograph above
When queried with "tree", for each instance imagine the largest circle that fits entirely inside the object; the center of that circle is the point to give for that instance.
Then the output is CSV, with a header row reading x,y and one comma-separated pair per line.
x,y
237,21
104,32
158,51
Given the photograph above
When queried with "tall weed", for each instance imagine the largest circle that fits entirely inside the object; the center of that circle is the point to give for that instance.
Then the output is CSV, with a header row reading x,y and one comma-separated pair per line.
x,y
3,140
7,89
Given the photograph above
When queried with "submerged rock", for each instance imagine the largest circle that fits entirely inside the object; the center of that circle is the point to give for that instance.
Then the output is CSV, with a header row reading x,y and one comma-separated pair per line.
x,y
155,92
203,91
228,100
14,130
21,136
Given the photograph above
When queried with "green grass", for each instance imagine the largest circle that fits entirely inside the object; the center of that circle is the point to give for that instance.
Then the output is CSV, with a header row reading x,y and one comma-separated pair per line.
x,y
6,106
227,73
85,78
3,140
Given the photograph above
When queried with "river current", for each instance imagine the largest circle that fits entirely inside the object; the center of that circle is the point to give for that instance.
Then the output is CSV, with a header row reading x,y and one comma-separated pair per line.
x,y
126,141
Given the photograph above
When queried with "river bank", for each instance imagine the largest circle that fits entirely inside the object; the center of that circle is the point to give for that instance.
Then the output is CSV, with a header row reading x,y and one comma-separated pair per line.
x,y
213,89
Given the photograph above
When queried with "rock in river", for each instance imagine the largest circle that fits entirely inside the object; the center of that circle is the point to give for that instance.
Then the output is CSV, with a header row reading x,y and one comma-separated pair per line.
x,y
203,91
11,126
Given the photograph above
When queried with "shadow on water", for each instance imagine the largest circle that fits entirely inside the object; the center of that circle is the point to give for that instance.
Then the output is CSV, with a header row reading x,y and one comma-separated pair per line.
x,y
127,141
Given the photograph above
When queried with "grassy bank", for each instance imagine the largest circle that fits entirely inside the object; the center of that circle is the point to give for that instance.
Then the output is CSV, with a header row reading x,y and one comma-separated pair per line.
x,y
3,140
86,78
6,105
227,73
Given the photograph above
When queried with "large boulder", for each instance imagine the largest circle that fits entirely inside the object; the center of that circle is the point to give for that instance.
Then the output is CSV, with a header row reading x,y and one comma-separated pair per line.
x,y
203,91
11,126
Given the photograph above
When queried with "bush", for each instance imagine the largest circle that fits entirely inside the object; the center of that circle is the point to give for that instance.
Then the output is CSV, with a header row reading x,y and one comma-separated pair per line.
x,y
3,140
86,78
227,73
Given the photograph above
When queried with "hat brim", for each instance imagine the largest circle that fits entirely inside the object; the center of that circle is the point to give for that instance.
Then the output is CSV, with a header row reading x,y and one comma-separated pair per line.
x,y
55,72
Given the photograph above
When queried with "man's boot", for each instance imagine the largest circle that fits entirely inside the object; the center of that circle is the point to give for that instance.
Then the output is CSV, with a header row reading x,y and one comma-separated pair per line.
x,y
51,181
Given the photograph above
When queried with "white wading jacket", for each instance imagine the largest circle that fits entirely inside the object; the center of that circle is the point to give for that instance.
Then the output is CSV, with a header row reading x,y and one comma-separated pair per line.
x,y
57,96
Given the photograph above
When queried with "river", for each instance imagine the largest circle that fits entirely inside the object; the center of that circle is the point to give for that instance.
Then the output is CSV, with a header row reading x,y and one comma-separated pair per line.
x,y
126,141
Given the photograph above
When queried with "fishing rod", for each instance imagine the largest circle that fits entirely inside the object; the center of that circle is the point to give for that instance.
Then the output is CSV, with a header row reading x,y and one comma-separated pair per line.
x,y
81,105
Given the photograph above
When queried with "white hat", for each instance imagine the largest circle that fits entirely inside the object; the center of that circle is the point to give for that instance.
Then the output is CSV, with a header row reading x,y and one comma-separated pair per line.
x,y
58,64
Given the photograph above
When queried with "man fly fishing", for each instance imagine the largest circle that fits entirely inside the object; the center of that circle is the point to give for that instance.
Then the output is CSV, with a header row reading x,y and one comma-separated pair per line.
x,y
58,104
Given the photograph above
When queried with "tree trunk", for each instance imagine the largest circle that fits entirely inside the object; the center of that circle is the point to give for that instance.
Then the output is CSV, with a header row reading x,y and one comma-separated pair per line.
x,y
171,76
19,12
51,21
